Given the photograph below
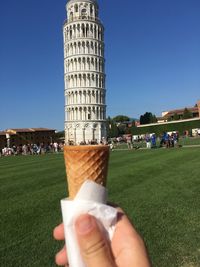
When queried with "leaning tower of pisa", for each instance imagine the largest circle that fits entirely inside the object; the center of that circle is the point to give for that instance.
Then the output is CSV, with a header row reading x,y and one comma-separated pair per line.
x,y
84,73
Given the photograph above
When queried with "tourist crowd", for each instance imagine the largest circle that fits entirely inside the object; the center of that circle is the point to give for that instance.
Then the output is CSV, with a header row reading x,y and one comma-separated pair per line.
x,y
32,149
149,141
166,140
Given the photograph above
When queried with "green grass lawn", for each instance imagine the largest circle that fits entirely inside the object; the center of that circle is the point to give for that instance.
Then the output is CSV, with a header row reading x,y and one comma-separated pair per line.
x,y
159,189
189,141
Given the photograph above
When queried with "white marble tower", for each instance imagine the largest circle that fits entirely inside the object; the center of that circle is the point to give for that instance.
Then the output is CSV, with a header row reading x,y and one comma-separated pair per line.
x,y
84,73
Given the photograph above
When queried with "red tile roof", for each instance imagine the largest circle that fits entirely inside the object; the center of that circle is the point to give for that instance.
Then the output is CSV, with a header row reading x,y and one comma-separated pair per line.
x,y
29,130
181,111
4,133
22,130
42,129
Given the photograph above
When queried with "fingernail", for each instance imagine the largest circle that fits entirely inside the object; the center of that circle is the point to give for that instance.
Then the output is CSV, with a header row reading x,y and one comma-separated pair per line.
x,y
84,224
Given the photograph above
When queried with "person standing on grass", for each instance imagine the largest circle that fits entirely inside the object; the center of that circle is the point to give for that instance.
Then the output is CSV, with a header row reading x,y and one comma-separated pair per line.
x,y
175,139
166,140
55,147
162,140
172,140
148,141
129,143
153,141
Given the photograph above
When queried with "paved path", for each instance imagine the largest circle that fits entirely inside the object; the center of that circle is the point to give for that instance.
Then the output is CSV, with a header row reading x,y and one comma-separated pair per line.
x,y
144,148
191,146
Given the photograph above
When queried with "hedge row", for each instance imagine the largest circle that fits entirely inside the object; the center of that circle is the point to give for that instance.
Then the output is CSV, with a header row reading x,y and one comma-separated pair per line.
x,y
181,127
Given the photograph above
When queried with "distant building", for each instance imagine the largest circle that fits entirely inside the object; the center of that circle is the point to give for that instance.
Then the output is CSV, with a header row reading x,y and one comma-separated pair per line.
x,y
175,116
17,137
127,124
137,123
169,115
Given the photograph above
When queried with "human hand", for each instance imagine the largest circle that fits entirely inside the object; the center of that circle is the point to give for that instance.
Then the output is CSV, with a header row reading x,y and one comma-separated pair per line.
x,y
126,249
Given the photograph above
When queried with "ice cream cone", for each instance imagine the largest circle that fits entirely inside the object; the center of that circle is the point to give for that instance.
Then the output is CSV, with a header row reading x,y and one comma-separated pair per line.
x,y
85,162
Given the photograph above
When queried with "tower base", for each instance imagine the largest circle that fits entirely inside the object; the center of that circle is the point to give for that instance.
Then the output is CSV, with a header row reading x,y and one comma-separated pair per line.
x,y
85,133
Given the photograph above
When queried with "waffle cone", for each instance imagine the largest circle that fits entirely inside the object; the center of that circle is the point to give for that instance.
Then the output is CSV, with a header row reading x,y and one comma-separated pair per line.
x,y
85,162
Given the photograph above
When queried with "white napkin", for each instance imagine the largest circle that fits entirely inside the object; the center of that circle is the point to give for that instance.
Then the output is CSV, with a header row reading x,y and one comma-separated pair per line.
x,y
90,199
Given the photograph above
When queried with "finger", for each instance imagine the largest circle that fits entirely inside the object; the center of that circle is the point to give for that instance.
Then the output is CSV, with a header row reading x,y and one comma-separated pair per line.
x,y
58,232
122,219
124,223
93,244
128,244
61,257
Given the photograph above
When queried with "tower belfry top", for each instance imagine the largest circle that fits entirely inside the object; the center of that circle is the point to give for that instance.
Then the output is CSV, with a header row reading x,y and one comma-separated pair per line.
x,y
86,9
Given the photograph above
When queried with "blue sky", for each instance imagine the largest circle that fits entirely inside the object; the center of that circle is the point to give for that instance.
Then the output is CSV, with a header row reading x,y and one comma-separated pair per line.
x,y
152,58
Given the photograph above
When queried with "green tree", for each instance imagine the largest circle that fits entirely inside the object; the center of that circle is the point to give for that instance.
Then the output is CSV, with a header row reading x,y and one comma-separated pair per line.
x,y
176,117
153,119
187,114
134,130
60,134
128,130
147,118
121,118
122,128
169,119
112,129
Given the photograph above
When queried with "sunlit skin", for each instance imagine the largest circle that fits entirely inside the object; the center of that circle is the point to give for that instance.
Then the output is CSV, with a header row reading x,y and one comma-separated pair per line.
x,y
127,248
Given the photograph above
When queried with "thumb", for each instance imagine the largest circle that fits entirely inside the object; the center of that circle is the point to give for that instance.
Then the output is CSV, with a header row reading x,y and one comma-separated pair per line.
x,y
92,242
